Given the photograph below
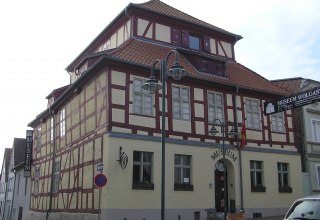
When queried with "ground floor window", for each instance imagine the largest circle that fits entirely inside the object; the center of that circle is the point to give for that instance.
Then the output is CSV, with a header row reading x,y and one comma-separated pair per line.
x,y
283,177
182,172
142,170
256,175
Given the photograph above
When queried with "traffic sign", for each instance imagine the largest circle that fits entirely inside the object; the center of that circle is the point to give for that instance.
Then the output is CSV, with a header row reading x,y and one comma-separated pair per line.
x,y
100,180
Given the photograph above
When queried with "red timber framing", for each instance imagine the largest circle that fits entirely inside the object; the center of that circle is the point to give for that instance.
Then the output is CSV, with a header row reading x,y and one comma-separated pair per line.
x,y
78,152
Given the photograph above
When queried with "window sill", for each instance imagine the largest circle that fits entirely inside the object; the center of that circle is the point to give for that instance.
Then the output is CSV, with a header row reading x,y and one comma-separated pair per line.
x,y
143,186
258,189
285,189
183,187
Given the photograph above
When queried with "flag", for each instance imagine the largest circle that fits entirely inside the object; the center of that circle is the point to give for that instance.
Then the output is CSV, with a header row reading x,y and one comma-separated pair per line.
x,y
243,136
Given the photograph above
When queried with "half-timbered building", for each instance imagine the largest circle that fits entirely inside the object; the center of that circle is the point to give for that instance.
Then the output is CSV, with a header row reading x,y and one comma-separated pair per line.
x,y
104,124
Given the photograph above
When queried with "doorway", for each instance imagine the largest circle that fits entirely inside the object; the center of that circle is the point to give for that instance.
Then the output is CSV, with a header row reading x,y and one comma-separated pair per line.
x,y
219,185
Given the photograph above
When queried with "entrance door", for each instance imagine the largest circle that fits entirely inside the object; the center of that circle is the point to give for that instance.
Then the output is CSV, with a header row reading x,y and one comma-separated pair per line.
x,y
219,188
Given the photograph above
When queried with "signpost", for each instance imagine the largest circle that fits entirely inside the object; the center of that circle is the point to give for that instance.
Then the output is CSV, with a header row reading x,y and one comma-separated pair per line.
x,y
291,102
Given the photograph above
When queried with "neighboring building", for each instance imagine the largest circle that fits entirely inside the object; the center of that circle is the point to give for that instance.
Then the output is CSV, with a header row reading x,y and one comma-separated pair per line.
x,y
307,129
105,116
21,197
4,181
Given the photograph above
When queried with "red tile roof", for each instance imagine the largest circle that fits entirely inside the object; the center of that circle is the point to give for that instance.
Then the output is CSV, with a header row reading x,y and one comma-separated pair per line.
x,y
157,6
145,53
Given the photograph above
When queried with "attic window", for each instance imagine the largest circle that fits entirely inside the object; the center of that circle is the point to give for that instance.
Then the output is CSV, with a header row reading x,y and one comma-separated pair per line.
x,y
194,42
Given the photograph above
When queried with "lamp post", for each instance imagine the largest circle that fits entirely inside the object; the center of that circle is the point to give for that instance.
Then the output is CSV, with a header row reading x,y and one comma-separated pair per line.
x,y
233,132
152,85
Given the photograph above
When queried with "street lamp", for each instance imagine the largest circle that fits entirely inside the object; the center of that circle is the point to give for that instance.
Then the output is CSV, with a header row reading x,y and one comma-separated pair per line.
x,y
152,85
213,131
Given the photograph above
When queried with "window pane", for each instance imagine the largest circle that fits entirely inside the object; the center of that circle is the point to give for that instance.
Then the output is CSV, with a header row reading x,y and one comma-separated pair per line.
x,y
147,174
194,42
147,157
136,156
177,175
136,171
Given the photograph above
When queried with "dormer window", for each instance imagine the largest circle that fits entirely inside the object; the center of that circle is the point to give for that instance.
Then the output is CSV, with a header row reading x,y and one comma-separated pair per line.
x,y
194,42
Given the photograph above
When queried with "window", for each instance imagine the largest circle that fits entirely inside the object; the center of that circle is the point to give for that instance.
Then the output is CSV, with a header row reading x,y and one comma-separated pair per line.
x,y
256,175
182,172
283,177
318,175
38,138
315,130
36,180
18,184
181,103
142,100
142,170
277,122
215,107
62,123
252,114
56,177
194,42
51,129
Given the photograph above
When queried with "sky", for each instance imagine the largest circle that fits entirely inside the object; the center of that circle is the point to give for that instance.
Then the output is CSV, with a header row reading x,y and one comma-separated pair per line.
x,y
39,39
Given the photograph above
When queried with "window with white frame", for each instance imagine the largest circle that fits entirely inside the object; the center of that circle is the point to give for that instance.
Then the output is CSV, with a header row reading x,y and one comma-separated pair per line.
x,y
277,122
142,100
318,175
253,114
215,107
181,103
315,130
51,129
256,176
56,177
62,123
38,138
142,170
182,172
36,180
283,177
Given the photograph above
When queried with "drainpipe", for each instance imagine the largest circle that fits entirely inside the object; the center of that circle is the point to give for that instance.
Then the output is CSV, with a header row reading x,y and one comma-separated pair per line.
x,y
53,160
235,112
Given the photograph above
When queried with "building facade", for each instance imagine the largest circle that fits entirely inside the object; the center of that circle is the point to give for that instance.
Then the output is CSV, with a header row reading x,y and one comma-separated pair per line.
x,y
105,124
4,182
307,130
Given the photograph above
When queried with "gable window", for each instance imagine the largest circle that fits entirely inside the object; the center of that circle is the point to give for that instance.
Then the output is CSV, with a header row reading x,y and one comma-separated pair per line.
x,y
283,177
36,180
142,170
215,107
56,177
182,172
194,42
62,123
256,176
253,114
277,122
181,103
142,100
315,130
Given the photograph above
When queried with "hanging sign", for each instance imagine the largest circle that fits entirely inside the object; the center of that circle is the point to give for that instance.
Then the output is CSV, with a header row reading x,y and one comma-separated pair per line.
x,y
295,101
28,153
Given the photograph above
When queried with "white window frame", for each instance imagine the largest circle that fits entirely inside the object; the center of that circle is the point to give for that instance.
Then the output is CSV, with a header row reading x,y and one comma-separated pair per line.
x,y
282,173
315,126
256,170
251,113
143,95
181,108
56,177
182,167
214,106
276,119
141,163
62,122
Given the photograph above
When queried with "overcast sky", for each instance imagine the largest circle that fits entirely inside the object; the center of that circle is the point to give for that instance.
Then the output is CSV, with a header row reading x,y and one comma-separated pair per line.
x,y
39,39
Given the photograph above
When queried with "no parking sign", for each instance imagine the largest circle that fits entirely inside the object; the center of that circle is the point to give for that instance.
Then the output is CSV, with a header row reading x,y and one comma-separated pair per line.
x,y
100,180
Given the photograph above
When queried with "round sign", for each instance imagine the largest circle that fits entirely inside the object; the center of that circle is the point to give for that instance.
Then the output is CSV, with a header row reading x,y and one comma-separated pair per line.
x,y
100,180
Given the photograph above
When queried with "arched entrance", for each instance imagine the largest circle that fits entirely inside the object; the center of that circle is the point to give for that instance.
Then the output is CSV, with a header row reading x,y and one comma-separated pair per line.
x,y
219,185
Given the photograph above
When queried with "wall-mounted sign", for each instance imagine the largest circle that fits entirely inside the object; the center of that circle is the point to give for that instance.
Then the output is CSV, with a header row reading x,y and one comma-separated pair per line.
x,y
295,101
28,153
100,167
228,153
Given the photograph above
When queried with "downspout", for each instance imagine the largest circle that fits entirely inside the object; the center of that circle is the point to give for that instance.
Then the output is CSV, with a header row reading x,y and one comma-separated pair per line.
x,y
235,112
53,160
